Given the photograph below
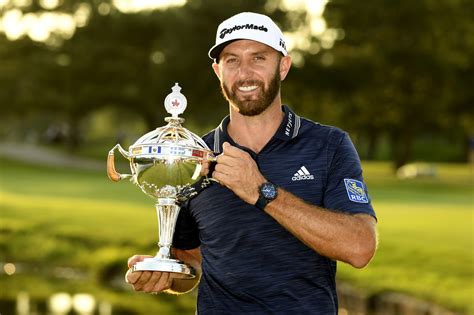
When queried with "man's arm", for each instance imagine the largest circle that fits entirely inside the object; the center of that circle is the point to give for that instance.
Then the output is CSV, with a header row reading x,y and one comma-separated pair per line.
x,y
157,281
350,238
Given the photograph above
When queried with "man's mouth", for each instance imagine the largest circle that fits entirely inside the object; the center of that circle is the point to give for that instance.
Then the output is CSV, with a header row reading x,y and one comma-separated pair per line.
x,y
247,88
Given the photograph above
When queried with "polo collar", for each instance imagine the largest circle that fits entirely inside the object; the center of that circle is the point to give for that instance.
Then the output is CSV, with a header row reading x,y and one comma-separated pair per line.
x,y
288,129
290,125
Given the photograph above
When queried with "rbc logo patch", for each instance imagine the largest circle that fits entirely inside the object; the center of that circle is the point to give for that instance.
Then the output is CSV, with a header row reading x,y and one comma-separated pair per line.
x,y
355,190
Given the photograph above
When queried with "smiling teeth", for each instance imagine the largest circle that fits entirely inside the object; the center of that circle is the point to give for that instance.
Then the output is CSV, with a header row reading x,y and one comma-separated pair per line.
x,y
247,88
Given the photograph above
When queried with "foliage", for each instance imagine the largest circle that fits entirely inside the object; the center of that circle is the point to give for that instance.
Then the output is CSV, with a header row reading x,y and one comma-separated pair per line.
x,y
406,69
128,61
399,70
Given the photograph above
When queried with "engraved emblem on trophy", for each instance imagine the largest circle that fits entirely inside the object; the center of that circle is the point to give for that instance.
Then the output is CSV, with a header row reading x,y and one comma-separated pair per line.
x,y
165,163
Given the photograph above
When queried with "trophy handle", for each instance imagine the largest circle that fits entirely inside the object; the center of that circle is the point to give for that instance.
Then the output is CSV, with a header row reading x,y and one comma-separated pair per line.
x,y
111,172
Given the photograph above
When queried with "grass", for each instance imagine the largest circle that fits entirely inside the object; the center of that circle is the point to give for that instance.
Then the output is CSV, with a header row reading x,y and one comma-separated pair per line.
x,y
52,218
62,217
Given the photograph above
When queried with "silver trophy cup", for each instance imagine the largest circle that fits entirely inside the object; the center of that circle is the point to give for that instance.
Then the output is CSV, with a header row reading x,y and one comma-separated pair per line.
x,y
165,163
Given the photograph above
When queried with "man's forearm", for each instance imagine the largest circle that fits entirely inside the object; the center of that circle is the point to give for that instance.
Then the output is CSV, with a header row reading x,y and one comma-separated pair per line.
x,y
337,235
181,286
193,259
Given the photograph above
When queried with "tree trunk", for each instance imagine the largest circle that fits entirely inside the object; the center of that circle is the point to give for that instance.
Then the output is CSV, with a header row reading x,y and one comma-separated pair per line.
x,y
402,147
372,144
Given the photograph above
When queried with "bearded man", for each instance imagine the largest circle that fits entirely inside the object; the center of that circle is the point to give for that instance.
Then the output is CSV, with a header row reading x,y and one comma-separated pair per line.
x,y
290,199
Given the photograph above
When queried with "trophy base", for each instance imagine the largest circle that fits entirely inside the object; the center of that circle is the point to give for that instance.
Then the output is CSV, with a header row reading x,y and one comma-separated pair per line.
x,y
181,270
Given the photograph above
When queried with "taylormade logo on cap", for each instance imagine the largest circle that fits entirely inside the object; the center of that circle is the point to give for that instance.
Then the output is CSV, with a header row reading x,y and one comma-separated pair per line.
x,y
252,26
226,31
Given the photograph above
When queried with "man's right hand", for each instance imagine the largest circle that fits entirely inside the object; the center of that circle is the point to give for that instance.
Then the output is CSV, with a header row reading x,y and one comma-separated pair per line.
x,y
147,281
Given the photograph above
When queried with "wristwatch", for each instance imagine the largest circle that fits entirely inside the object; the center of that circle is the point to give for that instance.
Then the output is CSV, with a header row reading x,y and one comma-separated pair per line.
x,y
267,192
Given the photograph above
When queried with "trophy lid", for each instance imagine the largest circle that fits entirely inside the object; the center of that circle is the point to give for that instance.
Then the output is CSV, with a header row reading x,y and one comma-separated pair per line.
x,y
171,140
175,102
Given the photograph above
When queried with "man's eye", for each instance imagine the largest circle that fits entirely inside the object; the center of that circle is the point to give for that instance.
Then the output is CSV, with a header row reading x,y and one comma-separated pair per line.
x,y
231,60
259,58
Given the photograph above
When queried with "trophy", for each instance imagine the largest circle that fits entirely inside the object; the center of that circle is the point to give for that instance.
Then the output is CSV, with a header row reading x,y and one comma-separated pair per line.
x,y
165,163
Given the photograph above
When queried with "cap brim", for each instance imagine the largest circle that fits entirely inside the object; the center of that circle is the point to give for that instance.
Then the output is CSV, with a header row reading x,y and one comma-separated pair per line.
x,y
216,50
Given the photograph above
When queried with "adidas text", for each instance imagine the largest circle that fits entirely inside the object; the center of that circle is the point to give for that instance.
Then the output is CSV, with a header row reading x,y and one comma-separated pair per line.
x,y
302,174
302,177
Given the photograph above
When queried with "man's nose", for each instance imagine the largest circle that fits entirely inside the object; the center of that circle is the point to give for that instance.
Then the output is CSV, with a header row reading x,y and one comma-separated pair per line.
x,y
245,69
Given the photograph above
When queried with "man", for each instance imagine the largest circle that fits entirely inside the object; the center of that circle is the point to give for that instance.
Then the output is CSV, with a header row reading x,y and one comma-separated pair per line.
x,y
290,199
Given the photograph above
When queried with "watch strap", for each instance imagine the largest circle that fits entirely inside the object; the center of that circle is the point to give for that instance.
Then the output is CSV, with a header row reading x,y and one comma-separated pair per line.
x,y
261,202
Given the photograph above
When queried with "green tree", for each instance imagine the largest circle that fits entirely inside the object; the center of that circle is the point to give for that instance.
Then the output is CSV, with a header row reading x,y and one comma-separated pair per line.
x,y
399,69
128,61
403,62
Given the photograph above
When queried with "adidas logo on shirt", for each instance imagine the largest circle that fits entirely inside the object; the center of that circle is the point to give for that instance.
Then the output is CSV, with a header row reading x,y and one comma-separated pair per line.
x,y
302,174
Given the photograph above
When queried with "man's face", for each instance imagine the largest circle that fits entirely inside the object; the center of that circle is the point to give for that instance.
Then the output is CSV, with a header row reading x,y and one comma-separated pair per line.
x,y
250,76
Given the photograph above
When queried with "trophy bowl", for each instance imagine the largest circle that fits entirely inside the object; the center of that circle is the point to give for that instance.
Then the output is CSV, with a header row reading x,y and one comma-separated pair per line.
x,y
165,163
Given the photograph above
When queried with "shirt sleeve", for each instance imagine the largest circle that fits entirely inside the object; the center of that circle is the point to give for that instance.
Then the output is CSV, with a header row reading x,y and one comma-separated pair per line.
x,y
186,233
345,189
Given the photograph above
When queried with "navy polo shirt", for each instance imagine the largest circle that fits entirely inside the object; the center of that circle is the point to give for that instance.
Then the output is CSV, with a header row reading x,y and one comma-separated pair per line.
x,y
251,264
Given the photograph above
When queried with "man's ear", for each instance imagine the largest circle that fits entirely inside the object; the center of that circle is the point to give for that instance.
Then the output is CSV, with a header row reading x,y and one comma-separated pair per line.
x,y
217,71
285,65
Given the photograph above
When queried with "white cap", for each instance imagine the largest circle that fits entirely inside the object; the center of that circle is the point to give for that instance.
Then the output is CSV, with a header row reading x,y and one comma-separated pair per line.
x,y
248,25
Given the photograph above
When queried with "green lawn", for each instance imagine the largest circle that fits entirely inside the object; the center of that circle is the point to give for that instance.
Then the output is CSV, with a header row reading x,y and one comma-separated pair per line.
x,y
61,217
53,218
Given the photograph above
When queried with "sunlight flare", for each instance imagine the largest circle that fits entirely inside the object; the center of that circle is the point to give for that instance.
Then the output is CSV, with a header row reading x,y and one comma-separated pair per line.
x,y
129,6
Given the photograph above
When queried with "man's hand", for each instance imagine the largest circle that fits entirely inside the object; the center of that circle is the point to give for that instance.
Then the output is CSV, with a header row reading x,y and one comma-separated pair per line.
x,y
157,281
147,281
237,171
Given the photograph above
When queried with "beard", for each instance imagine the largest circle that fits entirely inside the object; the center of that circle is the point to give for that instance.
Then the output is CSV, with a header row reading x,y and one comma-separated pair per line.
x,y
252,107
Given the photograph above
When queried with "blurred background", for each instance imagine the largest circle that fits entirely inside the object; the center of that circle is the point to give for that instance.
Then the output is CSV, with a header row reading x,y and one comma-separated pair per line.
x,y
77,77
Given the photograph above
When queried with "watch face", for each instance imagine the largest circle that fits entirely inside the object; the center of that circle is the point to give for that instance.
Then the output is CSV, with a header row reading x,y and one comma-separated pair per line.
x,y
268,191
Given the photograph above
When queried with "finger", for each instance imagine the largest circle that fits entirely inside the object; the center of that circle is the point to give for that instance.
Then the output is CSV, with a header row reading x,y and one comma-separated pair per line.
x,y
221,172
226,160
225,145
217,176
231,150
164,282
154,279
231,154
222,179
142,280
228,149
131,276
223,168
